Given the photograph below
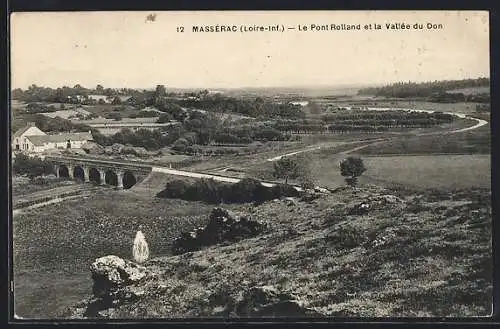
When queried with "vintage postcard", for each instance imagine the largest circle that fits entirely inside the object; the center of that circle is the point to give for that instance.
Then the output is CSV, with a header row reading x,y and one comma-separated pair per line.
x,y
263,164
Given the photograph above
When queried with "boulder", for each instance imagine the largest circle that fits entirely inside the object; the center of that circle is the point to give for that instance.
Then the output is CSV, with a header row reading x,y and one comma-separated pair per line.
x,y
360,209
110,273
376,202
223,226
318,189
310,195
268,301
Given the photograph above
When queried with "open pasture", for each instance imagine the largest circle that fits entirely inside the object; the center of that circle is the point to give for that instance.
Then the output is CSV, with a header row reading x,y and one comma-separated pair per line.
x,y
54,248
477,141
429,171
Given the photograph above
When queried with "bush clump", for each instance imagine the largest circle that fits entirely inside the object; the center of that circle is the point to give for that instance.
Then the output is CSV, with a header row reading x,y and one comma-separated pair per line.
x,y
175,189
210,191
222,226
31,166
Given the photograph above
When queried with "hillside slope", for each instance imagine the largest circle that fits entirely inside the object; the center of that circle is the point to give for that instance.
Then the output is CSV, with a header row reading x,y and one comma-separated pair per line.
x,y
426,254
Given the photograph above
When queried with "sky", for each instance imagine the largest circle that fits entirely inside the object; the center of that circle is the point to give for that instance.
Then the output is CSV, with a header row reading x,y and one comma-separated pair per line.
x,y
125,49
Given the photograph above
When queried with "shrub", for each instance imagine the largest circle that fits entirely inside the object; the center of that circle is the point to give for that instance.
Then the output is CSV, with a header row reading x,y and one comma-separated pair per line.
x,y
207,190
243,191
40,180
175,189
347,236
180,145
31,166
130,151
211,191
286,168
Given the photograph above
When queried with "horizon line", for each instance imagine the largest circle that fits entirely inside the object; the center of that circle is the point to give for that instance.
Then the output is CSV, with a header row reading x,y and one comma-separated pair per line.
x,y
338,85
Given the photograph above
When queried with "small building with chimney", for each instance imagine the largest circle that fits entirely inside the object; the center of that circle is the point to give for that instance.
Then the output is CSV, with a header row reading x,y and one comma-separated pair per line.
x,y
31,139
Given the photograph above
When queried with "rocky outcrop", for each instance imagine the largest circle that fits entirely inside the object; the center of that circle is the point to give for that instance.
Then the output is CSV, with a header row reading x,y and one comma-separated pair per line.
x,y
116,282
223,226
376,202
110,273
268,301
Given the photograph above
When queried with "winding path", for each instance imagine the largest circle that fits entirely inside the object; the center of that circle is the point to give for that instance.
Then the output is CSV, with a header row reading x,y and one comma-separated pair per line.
x,y
479,123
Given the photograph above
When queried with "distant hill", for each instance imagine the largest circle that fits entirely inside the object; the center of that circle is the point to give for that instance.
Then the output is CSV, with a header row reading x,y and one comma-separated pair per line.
x,y
425,89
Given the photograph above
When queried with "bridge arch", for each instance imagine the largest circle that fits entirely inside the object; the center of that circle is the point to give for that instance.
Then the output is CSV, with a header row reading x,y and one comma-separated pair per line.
x,y
94,176
79,173
63,171
129,179
111,178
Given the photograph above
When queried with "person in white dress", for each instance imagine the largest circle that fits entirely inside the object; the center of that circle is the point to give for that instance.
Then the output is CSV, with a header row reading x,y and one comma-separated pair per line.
x,y
140,250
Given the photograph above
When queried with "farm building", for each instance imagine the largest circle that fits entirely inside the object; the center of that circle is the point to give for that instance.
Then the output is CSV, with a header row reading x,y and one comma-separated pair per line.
x,y
108,99
33,140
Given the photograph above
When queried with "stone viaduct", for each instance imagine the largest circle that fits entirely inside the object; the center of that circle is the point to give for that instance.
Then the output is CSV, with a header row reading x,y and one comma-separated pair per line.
x,y
103,172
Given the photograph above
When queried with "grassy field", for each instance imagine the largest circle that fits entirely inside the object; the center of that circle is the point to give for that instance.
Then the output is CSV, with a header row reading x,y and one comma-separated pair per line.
x,y
471,90
264,169
460,107
426,255
443,107
477,141
54,246
102,110
428,171
23,185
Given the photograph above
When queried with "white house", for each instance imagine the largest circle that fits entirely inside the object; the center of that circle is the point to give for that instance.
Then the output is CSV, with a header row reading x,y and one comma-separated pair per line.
x,y
32,140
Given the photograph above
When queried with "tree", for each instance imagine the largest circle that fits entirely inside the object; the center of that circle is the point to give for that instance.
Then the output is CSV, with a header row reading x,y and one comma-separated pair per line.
x,y
352,168
286,168
32,167
116,101
180,145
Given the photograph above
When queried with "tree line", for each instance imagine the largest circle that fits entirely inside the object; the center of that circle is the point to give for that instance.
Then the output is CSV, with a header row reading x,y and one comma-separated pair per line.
x,y
423,89
198,129
364,121
160,99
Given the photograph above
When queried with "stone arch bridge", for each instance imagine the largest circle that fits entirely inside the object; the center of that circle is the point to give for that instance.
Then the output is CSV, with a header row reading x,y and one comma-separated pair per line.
x,y
103,172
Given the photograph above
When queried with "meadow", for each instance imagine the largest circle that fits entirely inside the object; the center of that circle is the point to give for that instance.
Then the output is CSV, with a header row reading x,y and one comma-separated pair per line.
x,y
477,141
429,171
418,171
54,248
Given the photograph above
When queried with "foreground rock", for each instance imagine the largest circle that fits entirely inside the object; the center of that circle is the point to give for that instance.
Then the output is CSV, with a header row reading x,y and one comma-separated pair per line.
x,y
377,202
112,272
222,226
268,301
116,281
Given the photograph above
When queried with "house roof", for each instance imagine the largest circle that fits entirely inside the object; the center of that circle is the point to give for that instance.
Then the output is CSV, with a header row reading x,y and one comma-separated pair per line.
x,y
59,138
23,130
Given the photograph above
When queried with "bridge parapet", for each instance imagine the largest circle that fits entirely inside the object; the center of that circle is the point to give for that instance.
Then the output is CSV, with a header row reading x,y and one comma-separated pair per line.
x,y
120,174
103,164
